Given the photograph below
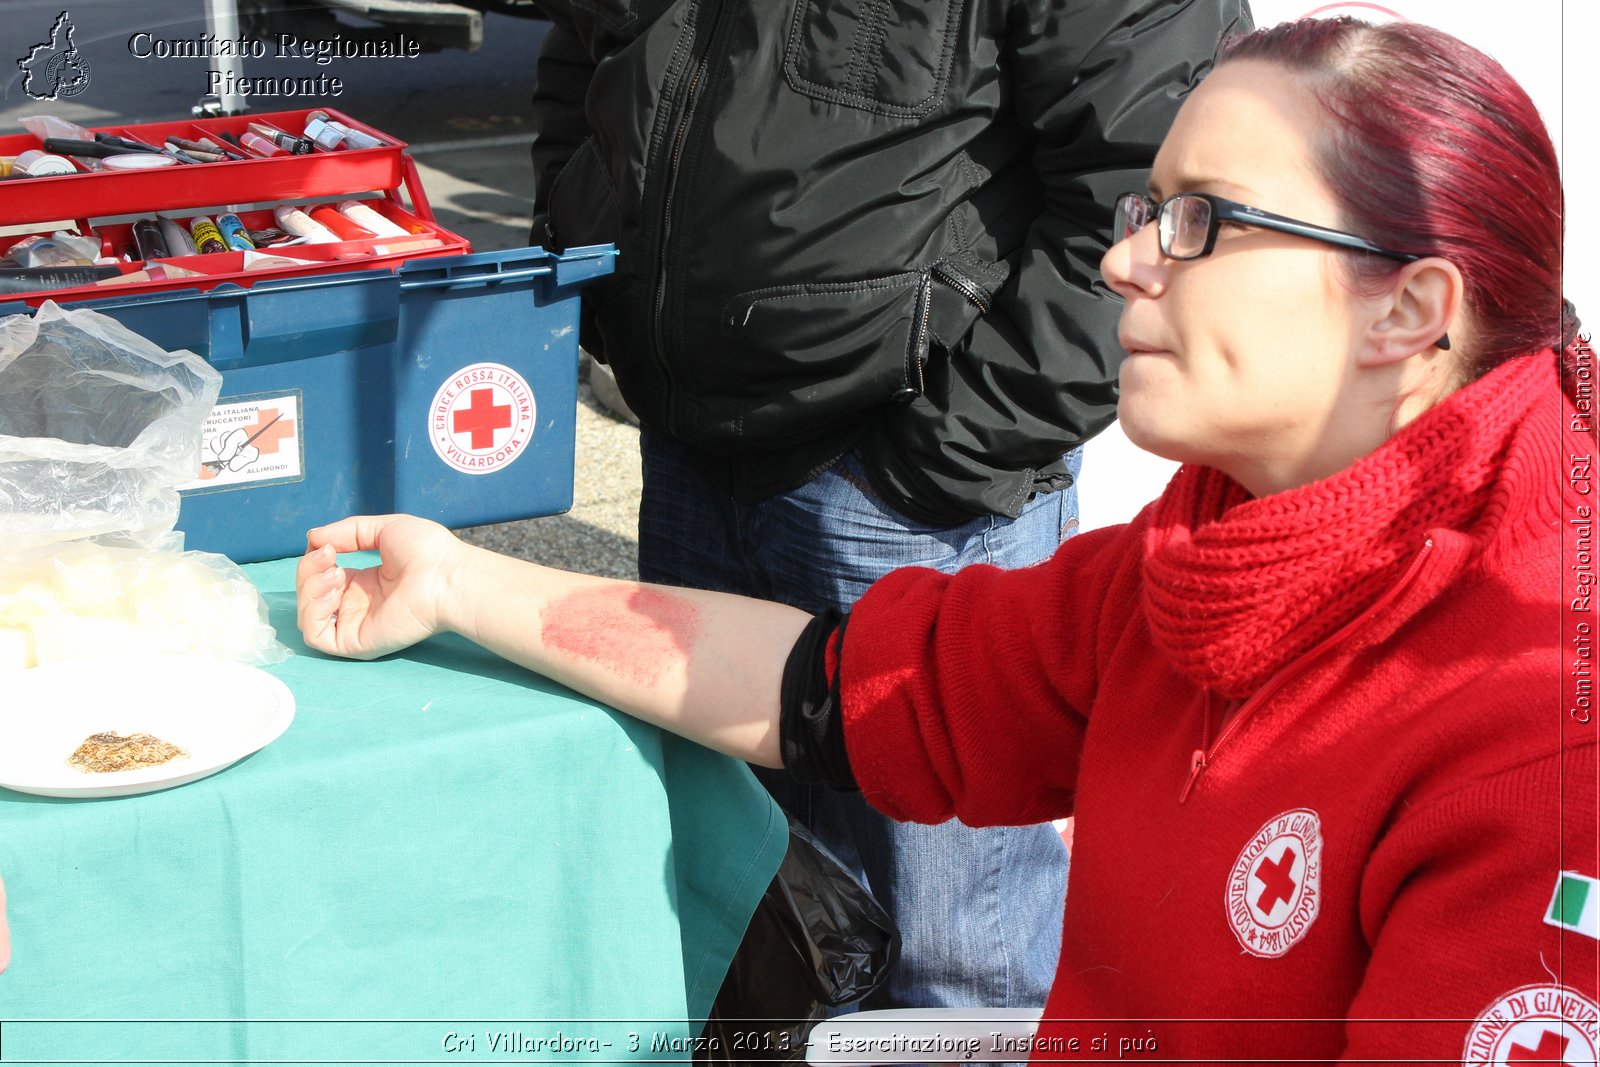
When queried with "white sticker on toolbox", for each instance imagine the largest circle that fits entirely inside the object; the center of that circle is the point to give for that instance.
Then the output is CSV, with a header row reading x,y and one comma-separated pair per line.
x,y
251,440
482,418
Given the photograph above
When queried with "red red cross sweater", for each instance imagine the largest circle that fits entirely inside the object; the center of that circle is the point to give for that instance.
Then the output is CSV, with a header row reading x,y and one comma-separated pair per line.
x,y
1329,750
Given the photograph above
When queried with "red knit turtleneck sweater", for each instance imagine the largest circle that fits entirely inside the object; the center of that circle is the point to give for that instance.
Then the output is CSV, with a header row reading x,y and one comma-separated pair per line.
x,y
1318,745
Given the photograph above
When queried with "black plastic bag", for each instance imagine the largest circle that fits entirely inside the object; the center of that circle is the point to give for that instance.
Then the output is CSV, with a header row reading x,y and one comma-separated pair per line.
x,y
817,940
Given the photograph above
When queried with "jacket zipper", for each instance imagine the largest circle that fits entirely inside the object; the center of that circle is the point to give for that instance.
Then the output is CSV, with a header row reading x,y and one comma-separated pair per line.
x,y
969,289
1206,754
917,355
679,136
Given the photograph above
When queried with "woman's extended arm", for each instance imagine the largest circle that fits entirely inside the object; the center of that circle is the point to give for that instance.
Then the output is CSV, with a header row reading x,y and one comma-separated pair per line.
x,y
704,665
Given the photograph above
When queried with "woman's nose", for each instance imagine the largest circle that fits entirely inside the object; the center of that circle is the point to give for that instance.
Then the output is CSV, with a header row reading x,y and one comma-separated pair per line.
x,y
1133,264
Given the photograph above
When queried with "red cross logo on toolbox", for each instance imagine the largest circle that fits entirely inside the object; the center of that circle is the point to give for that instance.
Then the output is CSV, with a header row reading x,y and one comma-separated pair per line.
x,y
1535,1024
1275,887
482,418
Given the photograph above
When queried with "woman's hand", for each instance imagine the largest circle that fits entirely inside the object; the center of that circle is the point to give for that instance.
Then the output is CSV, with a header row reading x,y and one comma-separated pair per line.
x,y
364,614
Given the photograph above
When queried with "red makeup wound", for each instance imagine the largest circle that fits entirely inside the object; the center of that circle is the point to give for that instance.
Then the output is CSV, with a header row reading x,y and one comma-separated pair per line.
x,y
636,634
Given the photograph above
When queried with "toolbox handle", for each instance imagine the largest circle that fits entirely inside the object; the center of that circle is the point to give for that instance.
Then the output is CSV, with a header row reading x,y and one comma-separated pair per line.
x,y
328,281
313,281
478,279
412,180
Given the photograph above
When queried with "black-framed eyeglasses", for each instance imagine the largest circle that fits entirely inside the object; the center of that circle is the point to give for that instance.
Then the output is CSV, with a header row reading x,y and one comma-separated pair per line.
x,y
1188,224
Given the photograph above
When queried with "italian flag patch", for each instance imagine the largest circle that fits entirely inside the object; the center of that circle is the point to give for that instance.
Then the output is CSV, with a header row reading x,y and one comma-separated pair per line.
x,y
1576,904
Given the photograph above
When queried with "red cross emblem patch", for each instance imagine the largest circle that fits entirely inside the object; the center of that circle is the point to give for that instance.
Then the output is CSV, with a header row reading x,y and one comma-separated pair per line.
x,y
1535,1024
482,418
1275,887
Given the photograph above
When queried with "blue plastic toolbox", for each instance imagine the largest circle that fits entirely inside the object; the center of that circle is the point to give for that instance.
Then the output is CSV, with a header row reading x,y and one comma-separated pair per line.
x,y
445,388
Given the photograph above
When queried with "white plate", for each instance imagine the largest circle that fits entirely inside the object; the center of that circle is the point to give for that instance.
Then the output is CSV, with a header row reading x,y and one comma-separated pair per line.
x,y
217,712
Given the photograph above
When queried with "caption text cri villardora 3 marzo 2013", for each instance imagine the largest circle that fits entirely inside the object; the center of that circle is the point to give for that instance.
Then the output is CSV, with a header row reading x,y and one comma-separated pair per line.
x,y
759,1045
320,51
750,1045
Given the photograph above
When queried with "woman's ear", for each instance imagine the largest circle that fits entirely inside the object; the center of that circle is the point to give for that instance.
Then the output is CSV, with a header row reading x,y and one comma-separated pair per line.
x,y
1416,313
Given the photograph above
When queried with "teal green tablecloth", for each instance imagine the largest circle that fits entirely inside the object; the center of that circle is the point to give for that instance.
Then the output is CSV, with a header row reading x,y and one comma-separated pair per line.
x,y
444,859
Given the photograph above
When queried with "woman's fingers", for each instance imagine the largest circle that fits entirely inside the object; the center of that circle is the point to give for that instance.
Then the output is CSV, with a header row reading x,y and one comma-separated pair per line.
x,y
318,583
314,562
358,533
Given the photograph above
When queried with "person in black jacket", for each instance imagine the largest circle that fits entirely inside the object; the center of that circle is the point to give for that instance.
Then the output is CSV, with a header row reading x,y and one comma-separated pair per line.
x,y
857,309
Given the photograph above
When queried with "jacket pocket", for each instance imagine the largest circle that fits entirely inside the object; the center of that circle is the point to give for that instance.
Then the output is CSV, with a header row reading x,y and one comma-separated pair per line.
x,y
890,57
963,290
583,206
813,356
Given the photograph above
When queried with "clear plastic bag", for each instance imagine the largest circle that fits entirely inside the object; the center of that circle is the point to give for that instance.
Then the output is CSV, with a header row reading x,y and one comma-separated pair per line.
x,y
98,428
60,249
87,601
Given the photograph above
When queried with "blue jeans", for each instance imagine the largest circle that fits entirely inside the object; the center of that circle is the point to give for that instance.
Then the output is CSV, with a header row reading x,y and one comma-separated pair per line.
x,y
979,911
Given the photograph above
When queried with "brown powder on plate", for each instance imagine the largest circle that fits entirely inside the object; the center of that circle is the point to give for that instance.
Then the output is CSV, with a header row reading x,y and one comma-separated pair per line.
x,y
110,751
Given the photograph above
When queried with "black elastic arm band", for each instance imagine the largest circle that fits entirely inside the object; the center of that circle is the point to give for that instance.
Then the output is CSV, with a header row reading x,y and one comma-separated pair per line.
x,y
810,721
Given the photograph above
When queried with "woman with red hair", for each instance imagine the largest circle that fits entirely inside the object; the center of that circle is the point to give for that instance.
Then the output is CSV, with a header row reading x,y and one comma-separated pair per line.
x,y
1310,707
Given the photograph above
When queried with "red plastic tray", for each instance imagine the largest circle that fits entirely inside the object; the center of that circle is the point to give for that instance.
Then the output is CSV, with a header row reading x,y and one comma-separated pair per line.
x,y
228,267
323,172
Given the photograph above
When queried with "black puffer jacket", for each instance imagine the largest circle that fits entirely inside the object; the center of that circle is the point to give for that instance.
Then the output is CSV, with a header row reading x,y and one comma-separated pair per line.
x,y
873,222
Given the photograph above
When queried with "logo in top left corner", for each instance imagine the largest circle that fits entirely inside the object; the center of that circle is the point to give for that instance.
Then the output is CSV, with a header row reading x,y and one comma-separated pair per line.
x,y
54,69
